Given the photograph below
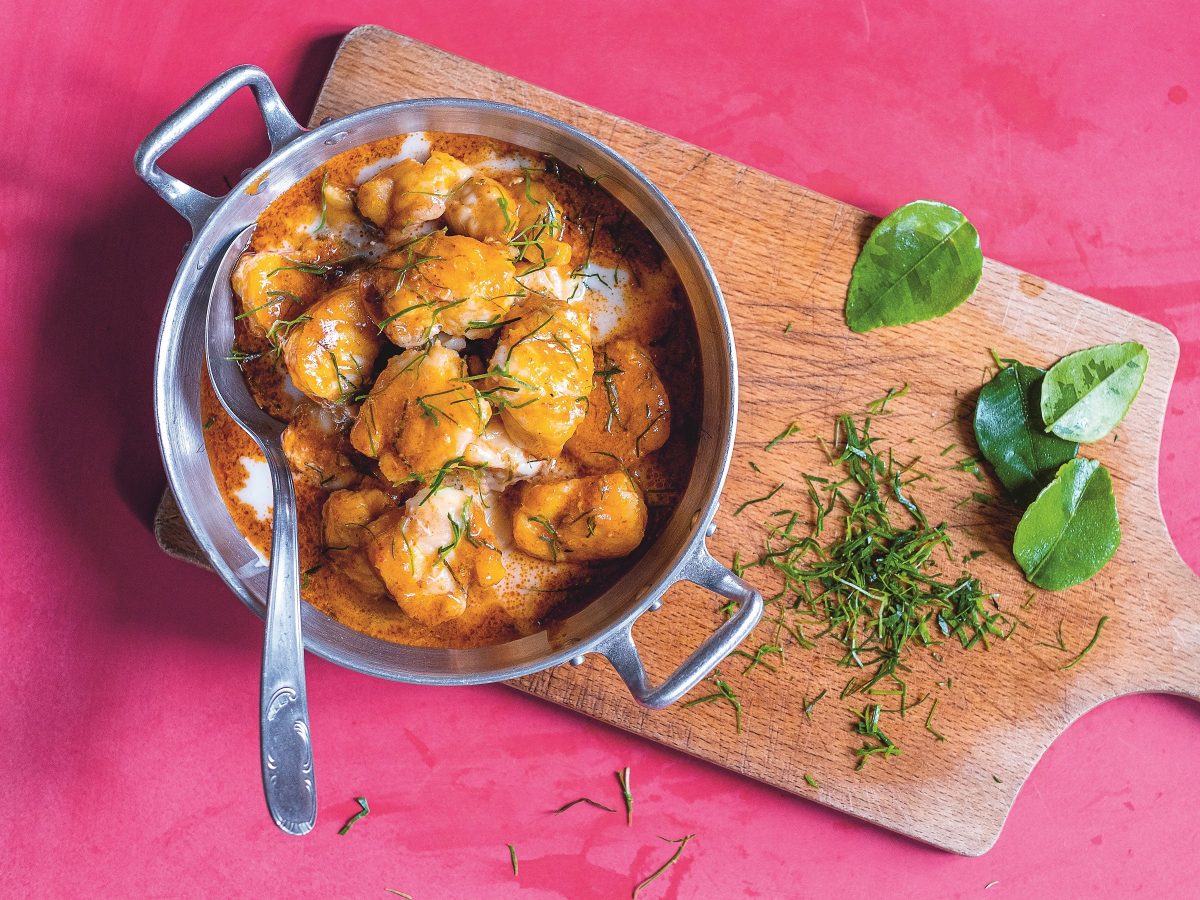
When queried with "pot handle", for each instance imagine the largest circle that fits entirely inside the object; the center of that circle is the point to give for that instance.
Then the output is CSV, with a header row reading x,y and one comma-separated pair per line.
x,y
195,205
703,570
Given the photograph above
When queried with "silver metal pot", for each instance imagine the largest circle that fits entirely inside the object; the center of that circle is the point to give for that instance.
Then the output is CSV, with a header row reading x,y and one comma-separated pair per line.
x,y
605,625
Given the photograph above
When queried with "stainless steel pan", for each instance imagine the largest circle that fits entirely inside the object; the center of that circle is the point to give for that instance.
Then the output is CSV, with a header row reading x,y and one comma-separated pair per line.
x,y
605,625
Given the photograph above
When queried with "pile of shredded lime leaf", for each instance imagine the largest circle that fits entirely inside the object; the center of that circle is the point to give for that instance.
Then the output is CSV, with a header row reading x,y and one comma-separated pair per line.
x,y
872,584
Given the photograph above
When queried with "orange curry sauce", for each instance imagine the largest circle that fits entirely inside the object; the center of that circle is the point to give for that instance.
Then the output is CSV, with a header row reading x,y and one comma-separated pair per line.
x,y
632,326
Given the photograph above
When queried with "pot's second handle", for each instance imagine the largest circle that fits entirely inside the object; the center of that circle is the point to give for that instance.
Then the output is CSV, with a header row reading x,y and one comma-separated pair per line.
x,y
194,205
705,571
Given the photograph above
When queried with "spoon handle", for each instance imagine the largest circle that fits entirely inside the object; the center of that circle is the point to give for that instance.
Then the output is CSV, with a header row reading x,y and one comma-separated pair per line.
x,y
287,762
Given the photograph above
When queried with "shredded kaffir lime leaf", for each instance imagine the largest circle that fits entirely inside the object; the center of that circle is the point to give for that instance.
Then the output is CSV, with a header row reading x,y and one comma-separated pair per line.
x,y
810,705
724,693
876,743
1092,643
876,588
362,812
872,583
588,800
681,842
626,794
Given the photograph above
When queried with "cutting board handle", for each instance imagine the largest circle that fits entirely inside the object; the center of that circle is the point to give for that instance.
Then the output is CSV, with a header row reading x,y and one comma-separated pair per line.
x,y
1174,647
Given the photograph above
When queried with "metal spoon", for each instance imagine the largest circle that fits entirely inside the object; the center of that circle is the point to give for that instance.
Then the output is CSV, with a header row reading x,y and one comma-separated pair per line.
x,y
287,764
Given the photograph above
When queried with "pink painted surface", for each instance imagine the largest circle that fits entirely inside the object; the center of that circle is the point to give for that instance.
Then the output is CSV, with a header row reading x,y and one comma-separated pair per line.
x,y
129,749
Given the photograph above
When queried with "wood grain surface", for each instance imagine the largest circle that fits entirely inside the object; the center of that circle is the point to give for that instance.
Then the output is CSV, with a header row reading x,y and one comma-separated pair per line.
x,y
783,255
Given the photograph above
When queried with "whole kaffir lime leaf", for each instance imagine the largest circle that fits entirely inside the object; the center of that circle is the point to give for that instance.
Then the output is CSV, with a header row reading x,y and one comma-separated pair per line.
x,y
919,263
1011,434
1071,530
1086,394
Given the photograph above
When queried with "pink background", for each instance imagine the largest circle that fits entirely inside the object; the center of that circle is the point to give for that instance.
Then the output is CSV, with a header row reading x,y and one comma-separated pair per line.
x,y
1068,133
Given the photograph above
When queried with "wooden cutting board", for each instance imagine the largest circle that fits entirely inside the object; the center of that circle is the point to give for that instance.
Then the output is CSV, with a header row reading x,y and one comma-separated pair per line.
x,y
783,255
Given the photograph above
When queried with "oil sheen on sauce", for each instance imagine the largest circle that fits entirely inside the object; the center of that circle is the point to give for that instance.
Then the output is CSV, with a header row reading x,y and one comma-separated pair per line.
x,y
632,292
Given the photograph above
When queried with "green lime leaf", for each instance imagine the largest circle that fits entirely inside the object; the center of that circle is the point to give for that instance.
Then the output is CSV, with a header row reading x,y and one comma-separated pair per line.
x,y
1085,395
1011,434
1071,530
919,263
